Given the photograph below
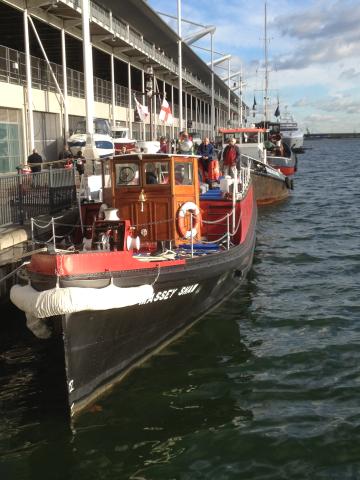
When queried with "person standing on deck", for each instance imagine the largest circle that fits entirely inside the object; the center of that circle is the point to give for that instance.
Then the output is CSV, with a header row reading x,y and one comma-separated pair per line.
x,y
231,158
185,144
163,146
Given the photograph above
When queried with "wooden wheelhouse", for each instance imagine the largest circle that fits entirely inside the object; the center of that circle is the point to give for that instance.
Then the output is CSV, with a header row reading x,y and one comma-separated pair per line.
x,y
149,190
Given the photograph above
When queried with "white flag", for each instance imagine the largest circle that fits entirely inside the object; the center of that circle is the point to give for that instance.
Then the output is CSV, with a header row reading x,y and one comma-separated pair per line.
x,y
142,110
165,114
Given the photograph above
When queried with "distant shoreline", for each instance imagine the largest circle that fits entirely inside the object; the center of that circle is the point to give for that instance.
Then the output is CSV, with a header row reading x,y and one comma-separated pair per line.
x,y
311,136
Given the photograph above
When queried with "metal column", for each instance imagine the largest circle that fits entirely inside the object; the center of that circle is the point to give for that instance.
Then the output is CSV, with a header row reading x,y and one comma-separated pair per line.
x,y
65,95
164,96
29,99
191,110
180,65
112,66
154,108
172,103
88,69
143,90
212,123
129,104
229,93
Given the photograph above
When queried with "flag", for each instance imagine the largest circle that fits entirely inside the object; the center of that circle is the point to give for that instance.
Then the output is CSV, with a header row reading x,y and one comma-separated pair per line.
x,y
142,110
277,111
165,114
254,104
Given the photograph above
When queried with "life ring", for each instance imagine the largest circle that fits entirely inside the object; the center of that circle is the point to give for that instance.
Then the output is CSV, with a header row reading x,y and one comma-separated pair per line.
x,y
194,209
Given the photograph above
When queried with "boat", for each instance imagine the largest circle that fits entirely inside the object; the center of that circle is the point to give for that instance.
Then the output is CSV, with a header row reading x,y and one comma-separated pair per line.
x,y
270,184
101,141
279,154
157,257
121,139
291,134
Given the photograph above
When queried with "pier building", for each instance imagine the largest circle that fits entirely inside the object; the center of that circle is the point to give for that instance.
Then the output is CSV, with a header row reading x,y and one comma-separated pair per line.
x,y
61,59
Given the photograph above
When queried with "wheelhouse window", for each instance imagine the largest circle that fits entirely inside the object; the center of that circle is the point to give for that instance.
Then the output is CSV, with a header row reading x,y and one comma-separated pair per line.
x,y
184,173
127,174
156,173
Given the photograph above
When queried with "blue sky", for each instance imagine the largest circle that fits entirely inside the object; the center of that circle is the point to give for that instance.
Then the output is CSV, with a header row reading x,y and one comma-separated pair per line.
x,y
314,53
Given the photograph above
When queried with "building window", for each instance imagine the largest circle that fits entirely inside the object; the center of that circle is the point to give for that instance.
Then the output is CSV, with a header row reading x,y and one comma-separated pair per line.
x,y
11,139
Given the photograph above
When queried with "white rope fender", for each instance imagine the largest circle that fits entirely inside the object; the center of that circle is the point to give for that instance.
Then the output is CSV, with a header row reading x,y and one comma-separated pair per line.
x,y
59,301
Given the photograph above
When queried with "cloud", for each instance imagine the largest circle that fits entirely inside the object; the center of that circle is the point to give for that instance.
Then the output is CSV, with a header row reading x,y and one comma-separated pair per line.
x,y
303,102
349,74
320,118
338,104
314,51
327,33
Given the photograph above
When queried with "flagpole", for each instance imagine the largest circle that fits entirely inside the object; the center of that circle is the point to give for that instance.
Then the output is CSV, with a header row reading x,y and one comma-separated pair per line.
x,y
149,87
164,95
180,65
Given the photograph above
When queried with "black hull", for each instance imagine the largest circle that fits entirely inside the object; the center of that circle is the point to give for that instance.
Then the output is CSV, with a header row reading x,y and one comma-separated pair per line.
x,y
101,347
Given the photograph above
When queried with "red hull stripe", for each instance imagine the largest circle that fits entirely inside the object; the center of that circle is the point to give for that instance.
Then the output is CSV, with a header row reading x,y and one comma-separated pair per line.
x,y
287,170
92,262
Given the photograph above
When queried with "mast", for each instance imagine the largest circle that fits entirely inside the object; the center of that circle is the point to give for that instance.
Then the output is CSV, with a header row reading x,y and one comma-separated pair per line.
x,y
266,69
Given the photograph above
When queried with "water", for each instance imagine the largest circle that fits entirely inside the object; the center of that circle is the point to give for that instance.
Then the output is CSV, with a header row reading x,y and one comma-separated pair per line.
x,y
267,387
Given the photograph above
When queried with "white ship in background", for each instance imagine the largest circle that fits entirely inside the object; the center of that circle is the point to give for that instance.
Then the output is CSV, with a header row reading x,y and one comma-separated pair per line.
x,y
291,134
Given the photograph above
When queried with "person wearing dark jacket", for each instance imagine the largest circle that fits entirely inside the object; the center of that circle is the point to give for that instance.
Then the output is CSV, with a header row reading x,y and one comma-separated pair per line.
x,y
206,151
34,159
231,158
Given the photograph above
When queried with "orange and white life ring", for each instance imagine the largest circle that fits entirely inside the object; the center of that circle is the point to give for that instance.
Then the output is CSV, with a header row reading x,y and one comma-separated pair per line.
x,y
195,211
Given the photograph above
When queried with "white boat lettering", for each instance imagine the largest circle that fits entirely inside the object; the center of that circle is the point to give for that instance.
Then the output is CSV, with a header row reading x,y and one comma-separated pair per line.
x,y
188,289
167,294
163,295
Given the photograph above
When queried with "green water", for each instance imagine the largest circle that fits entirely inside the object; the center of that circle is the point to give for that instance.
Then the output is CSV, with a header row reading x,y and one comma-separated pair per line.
x,y
266,387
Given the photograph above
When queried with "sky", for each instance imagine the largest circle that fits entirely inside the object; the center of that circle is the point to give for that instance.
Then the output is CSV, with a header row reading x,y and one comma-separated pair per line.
x,y
313,52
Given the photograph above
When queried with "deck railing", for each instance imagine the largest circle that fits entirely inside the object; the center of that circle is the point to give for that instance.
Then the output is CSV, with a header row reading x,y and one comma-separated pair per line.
x,y
28,195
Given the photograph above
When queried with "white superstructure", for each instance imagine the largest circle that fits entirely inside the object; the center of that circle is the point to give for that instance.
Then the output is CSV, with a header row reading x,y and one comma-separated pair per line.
x,y
102,138
291,134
